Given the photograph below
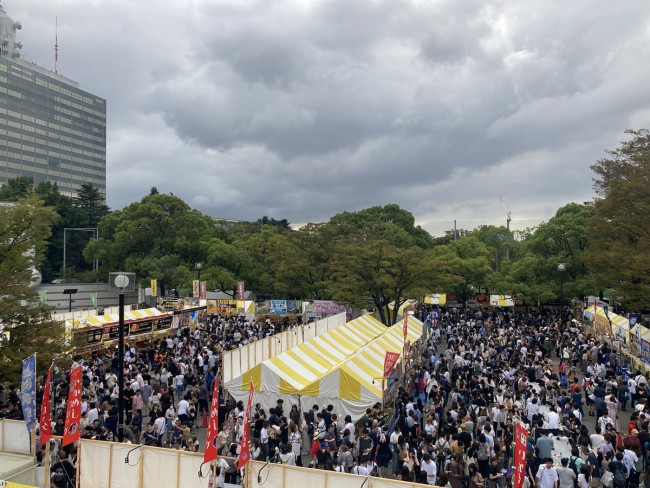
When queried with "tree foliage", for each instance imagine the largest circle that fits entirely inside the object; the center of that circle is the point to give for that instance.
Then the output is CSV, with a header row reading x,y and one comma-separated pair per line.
x,y
619,230
24,230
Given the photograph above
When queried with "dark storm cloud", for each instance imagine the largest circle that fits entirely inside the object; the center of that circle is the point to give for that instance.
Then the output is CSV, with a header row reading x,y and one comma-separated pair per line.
x,y
301,109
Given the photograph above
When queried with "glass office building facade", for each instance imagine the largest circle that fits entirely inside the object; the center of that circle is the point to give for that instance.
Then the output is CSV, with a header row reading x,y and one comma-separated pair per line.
x,y
50,129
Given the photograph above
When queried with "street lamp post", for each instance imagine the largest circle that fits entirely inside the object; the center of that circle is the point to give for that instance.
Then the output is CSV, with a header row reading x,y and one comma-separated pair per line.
x,y
198,267
121,281
561,268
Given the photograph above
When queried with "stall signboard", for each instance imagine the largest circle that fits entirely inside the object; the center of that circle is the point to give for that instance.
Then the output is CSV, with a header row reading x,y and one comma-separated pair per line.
x,y
278,307
327,307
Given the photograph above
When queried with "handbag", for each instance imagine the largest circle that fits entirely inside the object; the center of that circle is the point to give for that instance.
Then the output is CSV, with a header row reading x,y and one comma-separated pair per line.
x,y
607,480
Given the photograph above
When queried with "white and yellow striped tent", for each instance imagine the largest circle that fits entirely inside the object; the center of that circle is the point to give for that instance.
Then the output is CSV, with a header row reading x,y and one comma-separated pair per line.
x,y
407,305
286,374
435,299
100,320
356,384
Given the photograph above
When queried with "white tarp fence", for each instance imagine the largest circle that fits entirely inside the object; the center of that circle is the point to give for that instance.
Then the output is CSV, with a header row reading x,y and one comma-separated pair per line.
x,y
14,437
239,361
102,465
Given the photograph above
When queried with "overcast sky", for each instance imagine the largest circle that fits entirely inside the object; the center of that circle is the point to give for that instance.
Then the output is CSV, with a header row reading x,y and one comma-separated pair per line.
x,y
302,109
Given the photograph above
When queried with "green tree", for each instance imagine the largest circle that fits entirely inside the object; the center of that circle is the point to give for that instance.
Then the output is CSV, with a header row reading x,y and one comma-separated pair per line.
x,y
469,259
16,188
24,230
619,230
91,202
377,273
159,237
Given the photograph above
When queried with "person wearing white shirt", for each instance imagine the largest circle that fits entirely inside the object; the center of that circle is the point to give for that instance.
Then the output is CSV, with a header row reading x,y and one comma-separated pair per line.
x,y
429,467
553,420
597,439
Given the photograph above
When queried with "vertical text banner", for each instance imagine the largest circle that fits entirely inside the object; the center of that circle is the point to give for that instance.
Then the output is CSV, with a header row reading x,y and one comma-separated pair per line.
x,y
389,362
241,290
211,451
27,391
406,325
45,418
195,288
245,453
521,438
154,288
203,290
73,408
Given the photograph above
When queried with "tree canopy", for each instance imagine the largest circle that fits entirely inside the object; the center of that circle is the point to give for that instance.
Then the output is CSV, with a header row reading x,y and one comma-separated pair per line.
x,y
619,230
24,229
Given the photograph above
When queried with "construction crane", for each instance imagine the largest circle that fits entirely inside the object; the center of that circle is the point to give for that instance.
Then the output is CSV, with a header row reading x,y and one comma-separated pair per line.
x,y
508,214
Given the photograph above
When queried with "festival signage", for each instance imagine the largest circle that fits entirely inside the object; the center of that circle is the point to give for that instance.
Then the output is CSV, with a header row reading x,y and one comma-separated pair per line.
x,y
212,306
154,288
195,288
27,391
405,327
501,301
71,431
602,326
203,290
278,307
241,292
244,453
45,420
327,307
211,451
521,438
389,362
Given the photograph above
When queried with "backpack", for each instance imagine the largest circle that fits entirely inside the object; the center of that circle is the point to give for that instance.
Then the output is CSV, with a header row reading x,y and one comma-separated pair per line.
x,y
619,476
573,465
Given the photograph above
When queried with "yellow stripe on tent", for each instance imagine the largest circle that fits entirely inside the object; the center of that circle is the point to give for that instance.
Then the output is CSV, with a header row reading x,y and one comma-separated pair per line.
x,y
312,389
313,361
290,363
349,387
288,373
255,375
286,388
323,348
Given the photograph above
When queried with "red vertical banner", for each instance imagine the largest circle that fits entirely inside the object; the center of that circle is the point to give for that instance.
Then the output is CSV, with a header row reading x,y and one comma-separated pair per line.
x,y
521,438
203,290
244,451
73,408
406,325
211,451
241,292
45,420
390,361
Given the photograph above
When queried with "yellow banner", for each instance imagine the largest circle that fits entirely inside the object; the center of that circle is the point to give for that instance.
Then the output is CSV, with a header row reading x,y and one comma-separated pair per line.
x,y
154,288
196,288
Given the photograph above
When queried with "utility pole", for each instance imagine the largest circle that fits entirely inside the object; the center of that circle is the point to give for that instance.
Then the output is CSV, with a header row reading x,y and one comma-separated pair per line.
x,y
508,220
455,233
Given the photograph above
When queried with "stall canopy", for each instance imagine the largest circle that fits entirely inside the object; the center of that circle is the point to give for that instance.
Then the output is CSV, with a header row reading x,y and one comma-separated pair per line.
x,y
609,324
407,305
356,384
285,375
101,320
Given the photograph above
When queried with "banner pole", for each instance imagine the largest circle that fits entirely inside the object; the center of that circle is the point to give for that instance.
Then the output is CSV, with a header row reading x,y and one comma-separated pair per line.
x,y
46,477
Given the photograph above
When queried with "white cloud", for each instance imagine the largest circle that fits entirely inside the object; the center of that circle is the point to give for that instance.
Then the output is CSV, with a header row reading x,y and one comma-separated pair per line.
x,y
300,110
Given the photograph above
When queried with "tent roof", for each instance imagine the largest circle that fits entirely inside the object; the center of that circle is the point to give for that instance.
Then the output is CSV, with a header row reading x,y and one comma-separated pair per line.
x,y
293,370
368,364
101,320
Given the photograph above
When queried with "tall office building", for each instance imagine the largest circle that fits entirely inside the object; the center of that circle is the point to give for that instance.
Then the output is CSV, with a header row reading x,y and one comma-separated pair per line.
x,y
49,128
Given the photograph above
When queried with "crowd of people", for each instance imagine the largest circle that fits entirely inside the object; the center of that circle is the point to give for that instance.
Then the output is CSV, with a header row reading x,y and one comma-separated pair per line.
x,y
477,374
